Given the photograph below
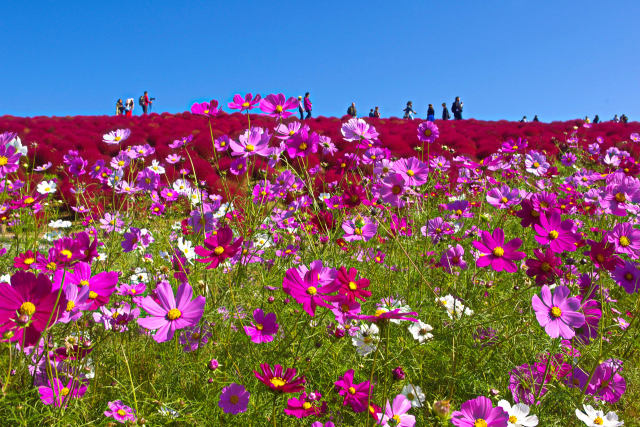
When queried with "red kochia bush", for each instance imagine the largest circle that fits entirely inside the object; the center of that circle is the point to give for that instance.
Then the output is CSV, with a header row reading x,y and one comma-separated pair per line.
x,y
56,135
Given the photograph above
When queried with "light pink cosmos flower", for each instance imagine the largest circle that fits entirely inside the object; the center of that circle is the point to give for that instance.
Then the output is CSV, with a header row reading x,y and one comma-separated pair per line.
x,y
168,313
396,414
558,313
248,103
358,130
277,105
250,143
360,228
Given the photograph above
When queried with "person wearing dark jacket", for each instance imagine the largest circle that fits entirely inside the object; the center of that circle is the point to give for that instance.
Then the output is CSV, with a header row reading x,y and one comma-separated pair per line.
x,y
376,113
535,118
119,108
431,113
456,108
352,109
371,113
445,112
596,119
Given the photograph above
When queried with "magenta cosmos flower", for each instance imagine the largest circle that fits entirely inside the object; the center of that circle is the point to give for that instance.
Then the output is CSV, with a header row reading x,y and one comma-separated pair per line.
x,y
556,233
496,253
307,290
263,328
277,380
277,105
9,159
120,412
396,414
428,132
169,314
358,130
479,412
58,394
557,313
355,395
412,170
391,190
359,228
248,103
251,143
218,247
209,109
26,307
101,286
626,239
234,399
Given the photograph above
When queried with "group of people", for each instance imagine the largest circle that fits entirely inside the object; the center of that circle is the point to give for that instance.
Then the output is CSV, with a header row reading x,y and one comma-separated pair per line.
x,y
596,119
304,106
409,112
126,108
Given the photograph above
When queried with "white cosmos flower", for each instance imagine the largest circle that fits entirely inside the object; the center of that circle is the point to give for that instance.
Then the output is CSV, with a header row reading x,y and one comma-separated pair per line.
x,y
46,187
596,418
156,167
518,414
181,186
59,223
453,306
139,275
17,144
420,331
366,339
187,248
116,136
414,394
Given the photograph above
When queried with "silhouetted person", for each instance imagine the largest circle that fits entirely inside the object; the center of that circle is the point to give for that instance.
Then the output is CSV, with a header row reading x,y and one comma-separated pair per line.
x,y
445,112
624,118
616,119
408,111
535,118
431,113
145,102
371,113
301,107
456,108
352,110
376,113
596,119
307,105
119,107
523,119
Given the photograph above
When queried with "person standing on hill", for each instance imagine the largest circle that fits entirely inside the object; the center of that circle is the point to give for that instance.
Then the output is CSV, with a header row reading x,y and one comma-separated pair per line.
x,y
431,113
596,120
145,102
408,111
371,113
307,105
616,119
301,107
376,113
456,108
352,110
445,112
119,107
535,118
128,107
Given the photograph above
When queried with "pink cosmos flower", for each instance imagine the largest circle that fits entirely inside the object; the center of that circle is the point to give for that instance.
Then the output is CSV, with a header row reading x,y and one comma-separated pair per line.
x,y
627,275
251,143
359,228
557,313
305,405
414,172
355,395
396,414
391,190
503,197
358,130
263,328
496,253
234,399
276,106
248,103
277,380
218,247
307,290
479,412
453,257
120,412
626,239
428,132
302,143
545,267
101,286
169,314
556,233
209,109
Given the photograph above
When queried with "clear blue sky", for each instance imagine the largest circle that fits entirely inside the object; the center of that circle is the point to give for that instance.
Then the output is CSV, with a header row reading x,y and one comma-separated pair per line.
x,y
557,59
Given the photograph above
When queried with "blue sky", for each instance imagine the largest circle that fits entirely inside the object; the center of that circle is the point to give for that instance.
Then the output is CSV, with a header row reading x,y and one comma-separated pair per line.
x,y
505,59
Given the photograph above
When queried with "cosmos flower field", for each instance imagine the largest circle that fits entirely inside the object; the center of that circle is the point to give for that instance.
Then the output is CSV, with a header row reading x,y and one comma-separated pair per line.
x,y
250,268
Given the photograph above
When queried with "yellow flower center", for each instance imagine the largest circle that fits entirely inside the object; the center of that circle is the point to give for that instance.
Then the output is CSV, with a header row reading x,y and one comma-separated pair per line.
x,y
93,295
278,108
250,147
303,146
278,382
536,164
70,305
600,258
246,104
628,276
396,418
379,312
259,326
84,283
353,286
498,251
624,241
120,162
29,200
64,391
67,253
51,266
427,132
620,197
504,199
117,138
3,160
174,314
553,234
306,405
311,290
352,390
545,266
599,421
513,419
122,412
27,308
410,172
396,189
218,250
480,423
556,312
29,261
358,231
